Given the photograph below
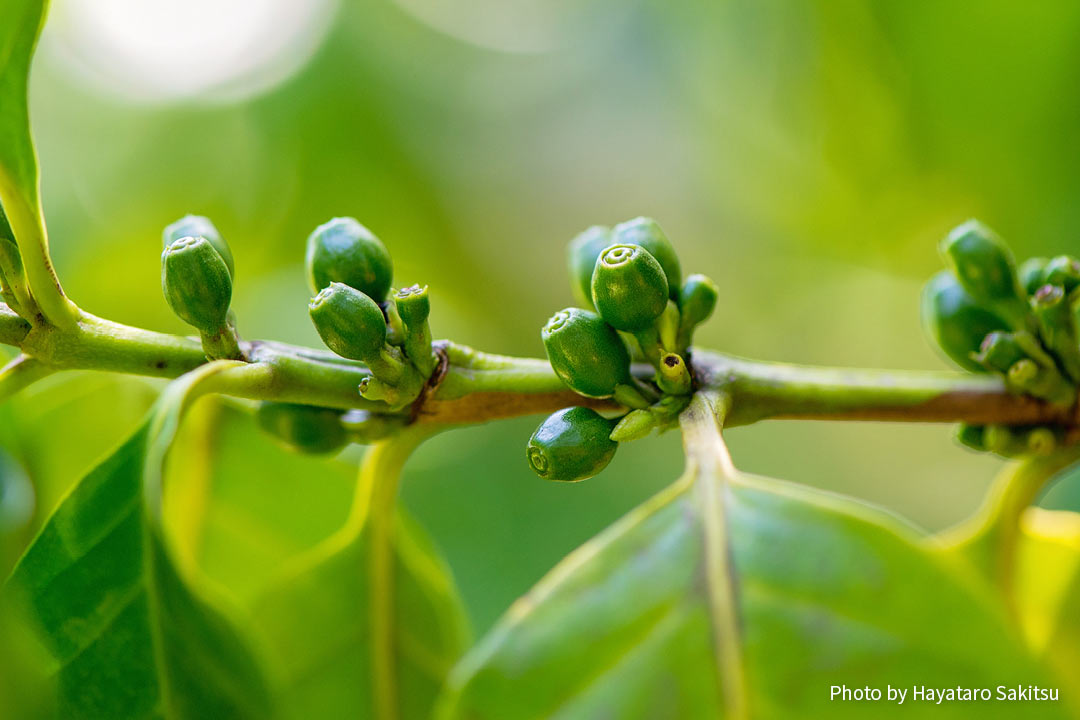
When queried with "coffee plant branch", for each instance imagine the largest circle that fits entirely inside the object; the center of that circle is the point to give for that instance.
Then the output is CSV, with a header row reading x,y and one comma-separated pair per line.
x,y
477,386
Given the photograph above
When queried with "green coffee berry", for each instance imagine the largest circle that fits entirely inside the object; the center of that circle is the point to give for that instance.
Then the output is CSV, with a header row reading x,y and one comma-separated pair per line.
x,y
629,288
984,266
199,226
414,307
304,428
956,322
1063,271
1057,327
196,283
581,255
674,376
1032,274
999,352
353,326
342,250
645,232
365,427
571,445
697,300
586,353
972,436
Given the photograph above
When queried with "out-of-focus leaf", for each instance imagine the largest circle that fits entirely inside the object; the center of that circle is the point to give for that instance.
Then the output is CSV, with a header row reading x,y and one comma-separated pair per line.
x,y
369,623
20,24
1047,586
732,595
93,412
128,632
239,505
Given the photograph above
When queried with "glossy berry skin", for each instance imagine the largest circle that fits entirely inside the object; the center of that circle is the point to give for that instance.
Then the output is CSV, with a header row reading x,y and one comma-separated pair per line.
x,y
645,232
982,263
348,321
199,226
196,283
1032,274
581,256
629,287
571,445
304,428
697,300
345,251
586,353
956,322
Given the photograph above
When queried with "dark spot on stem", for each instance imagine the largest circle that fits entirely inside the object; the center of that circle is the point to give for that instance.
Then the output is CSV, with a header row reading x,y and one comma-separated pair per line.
x,y
161,364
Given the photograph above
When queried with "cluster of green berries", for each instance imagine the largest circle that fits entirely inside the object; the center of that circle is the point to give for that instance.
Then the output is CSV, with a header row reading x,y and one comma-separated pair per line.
x,y
989,316
639,307
360,317
355,311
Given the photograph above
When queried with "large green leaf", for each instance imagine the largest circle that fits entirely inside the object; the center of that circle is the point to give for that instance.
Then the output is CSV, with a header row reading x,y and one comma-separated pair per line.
x,y
1046,586
368,624
128,632
730,595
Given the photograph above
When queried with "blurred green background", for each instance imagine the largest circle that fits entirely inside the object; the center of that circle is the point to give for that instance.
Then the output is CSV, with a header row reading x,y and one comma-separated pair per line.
x,y
808,156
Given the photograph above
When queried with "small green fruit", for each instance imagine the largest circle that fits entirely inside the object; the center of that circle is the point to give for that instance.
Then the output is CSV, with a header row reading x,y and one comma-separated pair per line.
x,y
586,353
571,445
697,300
413,305
1032,274
1063,271
196,283
349,322
955,321
629,288
342,250
581,255
645,232
304,428
985,268
199,226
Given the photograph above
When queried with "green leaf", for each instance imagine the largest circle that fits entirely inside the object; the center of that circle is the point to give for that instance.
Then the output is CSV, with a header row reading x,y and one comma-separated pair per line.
x,y
128,632
20,25
369,623
1047,586
730,595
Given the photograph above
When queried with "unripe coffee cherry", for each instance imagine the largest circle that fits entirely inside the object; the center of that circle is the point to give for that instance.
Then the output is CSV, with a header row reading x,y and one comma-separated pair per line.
x,y
1063,271
349,322
581,255
304,428
984,266
957,323
571,445
697,300
629,288
586,353
1032,274
199,226
645,232
413,305
345,251
196,283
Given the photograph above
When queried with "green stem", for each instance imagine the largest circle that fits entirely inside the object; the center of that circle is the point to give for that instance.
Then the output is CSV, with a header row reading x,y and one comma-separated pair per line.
x,y
477,386
29,228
